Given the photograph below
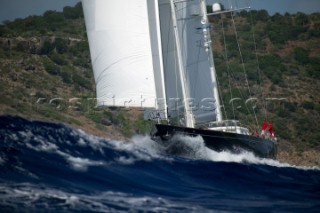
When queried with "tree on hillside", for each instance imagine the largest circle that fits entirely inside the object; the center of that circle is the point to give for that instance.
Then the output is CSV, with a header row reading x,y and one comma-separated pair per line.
x,y
73,12
301,55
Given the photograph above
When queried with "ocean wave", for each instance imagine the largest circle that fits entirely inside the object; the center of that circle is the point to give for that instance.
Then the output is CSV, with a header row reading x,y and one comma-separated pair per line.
x,y
194,148
35,198
49,167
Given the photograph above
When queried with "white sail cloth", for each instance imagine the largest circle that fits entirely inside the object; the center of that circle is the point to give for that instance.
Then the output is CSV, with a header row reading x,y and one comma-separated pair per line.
x,y
120,47
195,61
134,55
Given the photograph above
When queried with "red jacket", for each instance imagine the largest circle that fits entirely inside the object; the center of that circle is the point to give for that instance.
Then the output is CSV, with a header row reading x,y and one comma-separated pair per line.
x,y
264,125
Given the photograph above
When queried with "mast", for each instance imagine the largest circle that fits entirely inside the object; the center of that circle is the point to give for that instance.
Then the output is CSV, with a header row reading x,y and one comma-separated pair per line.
x,y
207,45
188,112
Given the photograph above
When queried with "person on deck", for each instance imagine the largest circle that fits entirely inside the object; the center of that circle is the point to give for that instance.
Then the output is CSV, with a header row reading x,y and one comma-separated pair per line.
x,y
273,133
273,136
264,125
264,128
269,130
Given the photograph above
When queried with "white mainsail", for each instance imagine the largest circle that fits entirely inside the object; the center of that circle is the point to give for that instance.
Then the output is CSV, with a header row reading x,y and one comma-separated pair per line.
x,y
134,55
121,52
196,60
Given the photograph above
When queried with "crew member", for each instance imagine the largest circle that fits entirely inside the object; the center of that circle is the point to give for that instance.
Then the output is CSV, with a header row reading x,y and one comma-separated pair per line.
x,y
264,128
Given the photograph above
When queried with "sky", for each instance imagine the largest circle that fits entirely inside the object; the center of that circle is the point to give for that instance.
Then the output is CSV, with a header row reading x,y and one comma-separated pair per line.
x,y
12,9
280,6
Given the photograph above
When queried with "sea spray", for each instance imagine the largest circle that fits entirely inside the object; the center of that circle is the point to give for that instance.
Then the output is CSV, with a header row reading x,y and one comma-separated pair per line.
x,y
194,148
49,167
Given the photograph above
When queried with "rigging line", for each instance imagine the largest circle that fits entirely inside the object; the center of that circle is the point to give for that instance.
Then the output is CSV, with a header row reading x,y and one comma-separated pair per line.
x,y
165,68
258,66
184,47
228,67
221,99
238,89
243,66
179,14
176,84
255,48
181,8
240,52
175,66
240,93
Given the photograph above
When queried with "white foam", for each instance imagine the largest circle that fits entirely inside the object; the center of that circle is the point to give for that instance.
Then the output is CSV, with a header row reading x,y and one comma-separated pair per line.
x,y
125,160
35,196
81,164
43,146
194,148
76,163
94,142
141,148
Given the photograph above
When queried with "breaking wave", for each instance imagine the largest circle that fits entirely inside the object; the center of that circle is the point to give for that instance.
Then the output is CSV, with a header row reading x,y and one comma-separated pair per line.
x,y
47,167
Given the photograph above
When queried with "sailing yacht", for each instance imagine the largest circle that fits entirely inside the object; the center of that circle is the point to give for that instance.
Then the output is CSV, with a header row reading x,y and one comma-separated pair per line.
x,y
157,55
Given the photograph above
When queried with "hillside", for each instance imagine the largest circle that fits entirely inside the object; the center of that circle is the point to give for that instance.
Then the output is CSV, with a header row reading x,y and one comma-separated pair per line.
x,y
46,74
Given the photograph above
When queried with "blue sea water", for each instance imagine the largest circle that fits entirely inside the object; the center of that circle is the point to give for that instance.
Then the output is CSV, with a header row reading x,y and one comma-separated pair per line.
x,y
46,167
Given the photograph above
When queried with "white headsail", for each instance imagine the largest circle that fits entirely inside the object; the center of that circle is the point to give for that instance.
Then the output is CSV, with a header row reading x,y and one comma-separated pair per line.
x,y
121,52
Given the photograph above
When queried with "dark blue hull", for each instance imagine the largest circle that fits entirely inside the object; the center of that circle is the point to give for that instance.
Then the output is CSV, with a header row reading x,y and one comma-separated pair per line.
x,y
219,141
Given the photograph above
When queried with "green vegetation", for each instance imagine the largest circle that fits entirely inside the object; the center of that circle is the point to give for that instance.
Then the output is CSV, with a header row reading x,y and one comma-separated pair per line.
x,y
46,71
284,69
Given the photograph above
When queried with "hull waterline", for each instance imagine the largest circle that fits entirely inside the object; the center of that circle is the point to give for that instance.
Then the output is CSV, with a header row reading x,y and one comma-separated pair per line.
x,y
219,141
